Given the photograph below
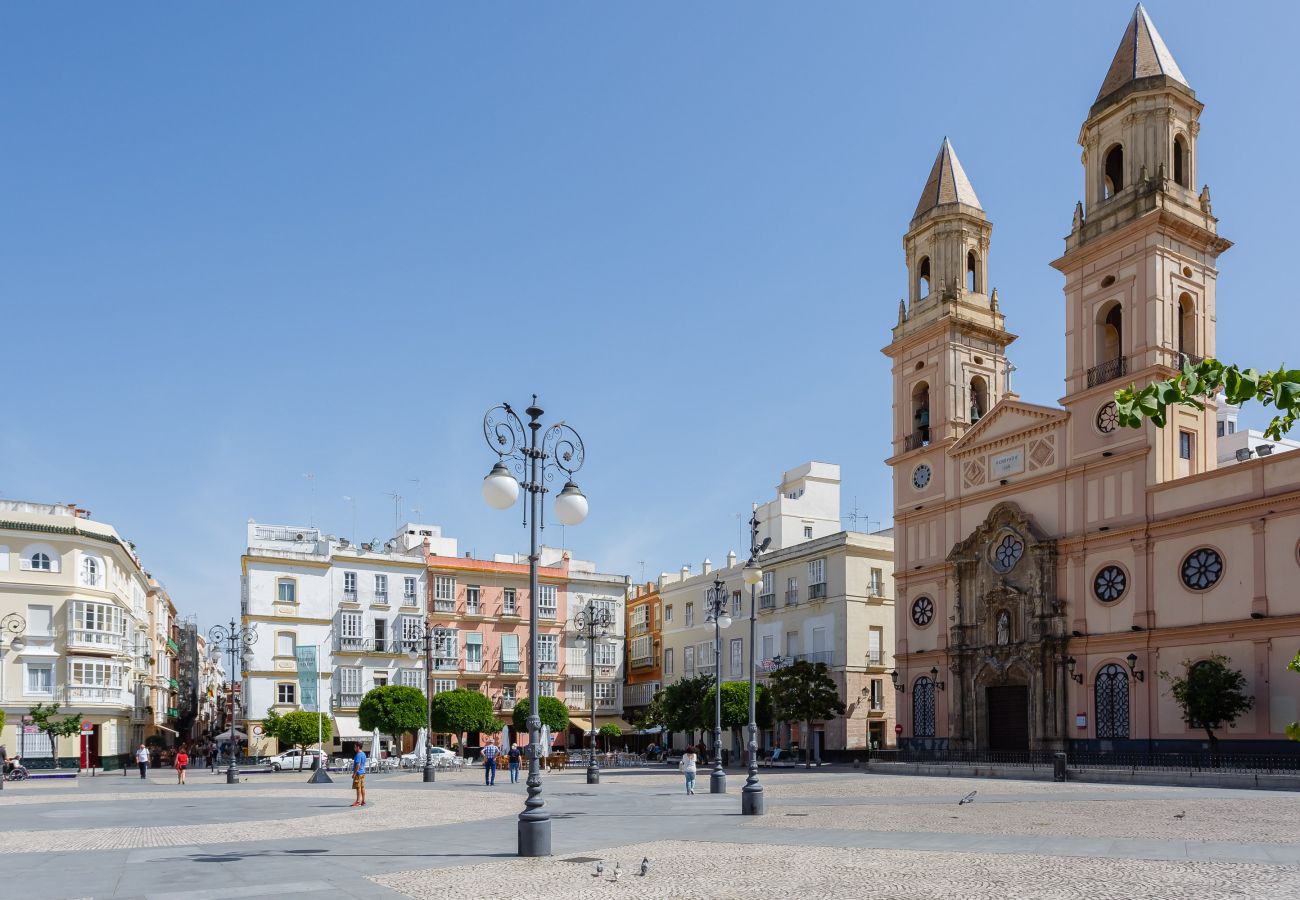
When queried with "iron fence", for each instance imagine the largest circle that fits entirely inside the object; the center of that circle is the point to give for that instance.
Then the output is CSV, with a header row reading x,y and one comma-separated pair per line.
x,y
1136,761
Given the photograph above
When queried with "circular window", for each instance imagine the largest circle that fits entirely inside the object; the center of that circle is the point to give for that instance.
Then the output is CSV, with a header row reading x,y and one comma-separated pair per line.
x,y
1108,281
1007,552
922,611
1187,271
1107,418
1110,584
920,365
1202,569
921,477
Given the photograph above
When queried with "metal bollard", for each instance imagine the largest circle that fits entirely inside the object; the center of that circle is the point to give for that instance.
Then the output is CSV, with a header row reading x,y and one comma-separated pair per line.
x,y
1058,766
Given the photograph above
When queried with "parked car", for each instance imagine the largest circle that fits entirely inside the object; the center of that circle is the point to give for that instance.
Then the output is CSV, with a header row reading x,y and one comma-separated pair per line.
x,y
439,754
294,758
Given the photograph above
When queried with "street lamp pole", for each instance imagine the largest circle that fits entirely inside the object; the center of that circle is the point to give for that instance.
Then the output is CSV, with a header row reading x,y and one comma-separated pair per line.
x,y
717,607
413,649
591,623
534,458
12,624
235,640
751,796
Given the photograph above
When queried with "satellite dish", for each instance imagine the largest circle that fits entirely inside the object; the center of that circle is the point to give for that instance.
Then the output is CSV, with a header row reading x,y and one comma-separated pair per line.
x,y
299,536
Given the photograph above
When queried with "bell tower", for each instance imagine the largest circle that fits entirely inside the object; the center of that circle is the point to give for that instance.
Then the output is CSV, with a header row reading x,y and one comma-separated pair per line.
x,y
1140,260
949,345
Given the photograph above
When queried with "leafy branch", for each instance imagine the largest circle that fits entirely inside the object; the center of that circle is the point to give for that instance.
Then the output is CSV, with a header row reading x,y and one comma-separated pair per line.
x,y
1279,389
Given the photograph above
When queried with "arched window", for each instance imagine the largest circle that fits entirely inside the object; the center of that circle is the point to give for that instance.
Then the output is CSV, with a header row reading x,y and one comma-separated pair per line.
x,y
1186,325
979,398
1182,175
921,412
923,278
90,572
923,707
1112,702
973,272
1113,172
1110,333
40,562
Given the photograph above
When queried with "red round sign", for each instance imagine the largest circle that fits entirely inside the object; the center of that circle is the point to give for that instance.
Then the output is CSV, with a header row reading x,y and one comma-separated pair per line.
x,y
898,729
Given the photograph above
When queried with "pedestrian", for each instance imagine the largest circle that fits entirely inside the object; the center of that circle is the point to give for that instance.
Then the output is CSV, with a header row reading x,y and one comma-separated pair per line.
x,y
687,768
142,759
490,754
359,776
182,760
208,750
513,758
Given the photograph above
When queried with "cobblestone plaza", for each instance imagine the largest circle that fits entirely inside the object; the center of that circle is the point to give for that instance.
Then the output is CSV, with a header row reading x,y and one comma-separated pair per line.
x,y
831,833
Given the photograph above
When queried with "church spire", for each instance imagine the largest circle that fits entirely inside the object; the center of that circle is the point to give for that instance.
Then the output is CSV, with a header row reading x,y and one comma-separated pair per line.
x,y
947,183
1142,54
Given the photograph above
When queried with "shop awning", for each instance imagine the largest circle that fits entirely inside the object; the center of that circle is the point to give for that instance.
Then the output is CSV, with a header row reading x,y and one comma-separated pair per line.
x,y
583,725
172,730
348,728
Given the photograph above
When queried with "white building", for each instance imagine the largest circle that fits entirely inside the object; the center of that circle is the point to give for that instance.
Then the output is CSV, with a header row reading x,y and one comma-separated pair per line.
x,y
1242,445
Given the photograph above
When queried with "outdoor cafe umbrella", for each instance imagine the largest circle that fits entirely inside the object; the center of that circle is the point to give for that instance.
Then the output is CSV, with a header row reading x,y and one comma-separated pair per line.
x,y
227,735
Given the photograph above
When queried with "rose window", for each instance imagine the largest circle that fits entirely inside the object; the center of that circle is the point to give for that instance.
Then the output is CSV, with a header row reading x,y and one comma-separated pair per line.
x,y
1202,569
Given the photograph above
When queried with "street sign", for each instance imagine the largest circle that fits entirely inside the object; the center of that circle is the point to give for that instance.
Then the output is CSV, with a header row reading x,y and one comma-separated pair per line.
x,y
31,729
87,727
898,729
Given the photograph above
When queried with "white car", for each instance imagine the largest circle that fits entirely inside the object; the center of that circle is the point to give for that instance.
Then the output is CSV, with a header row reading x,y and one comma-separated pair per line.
x,y
294,758
440,755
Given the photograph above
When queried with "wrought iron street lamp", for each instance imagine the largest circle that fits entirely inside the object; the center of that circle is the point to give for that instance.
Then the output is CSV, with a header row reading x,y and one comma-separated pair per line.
x,y
236,640
414,646
751,796
716,605
593,622
534,454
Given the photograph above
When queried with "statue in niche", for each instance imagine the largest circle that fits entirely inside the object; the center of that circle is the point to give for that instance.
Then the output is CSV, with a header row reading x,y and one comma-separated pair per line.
x,y
1004,629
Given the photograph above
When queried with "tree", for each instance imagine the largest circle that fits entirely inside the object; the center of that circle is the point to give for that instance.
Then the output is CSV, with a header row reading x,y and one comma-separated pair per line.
x,y
393,709
43,718
298,729
1292,730
1279,389
682,703
735,707
1211,695
551,711
609,731
2,720
805,692
456,712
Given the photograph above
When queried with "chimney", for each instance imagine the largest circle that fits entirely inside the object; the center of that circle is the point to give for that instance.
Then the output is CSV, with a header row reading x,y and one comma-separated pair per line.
x,y
731,558
707,567
686,572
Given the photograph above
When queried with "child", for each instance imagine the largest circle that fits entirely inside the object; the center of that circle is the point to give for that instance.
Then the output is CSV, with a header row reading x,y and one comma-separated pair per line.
x,y
687,767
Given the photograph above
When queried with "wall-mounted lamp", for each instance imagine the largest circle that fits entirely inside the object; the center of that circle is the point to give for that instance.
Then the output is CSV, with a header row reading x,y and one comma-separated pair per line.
x,y
934,674
1003,481
1132,663
1070,664
893,676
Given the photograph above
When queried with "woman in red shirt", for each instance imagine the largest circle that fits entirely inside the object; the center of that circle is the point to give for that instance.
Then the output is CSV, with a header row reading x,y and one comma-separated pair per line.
x,y
182,760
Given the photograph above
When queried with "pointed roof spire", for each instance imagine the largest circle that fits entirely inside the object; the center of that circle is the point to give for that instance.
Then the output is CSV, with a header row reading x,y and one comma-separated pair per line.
x,y
1142,53
947,183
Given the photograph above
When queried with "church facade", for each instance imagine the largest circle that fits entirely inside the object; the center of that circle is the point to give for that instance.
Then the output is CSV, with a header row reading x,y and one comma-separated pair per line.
x,y
1050,565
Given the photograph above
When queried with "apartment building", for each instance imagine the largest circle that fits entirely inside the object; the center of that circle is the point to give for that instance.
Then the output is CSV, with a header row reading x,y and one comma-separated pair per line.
x,y
644,649
74,630
826,597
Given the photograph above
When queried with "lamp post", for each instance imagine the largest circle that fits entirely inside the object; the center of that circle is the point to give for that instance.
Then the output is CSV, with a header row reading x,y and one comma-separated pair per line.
x,y
751,796
716,605
413,650
533,455
592,622
235,640
13,625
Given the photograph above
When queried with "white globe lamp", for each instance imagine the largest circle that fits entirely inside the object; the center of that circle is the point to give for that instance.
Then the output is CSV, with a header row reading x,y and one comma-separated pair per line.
x,y
500,489
570,505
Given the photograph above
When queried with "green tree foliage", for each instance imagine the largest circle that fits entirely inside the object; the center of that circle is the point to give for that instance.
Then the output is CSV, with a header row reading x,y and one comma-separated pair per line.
x,y
1210,694
2,720
735,707
299,729
46,720
682,703
609,731
649,716
550,710
460,711
805,692
1293,730
1279,389
393,709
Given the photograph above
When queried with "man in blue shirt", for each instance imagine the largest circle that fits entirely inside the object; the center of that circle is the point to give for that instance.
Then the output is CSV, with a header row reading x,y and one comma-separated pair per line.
x,y
490,754
359,776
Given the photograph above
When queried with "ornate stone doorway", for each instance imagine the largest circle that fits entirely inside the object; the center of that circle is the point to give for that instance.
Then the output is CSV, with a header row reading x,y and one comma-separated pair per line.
x,y
1008,725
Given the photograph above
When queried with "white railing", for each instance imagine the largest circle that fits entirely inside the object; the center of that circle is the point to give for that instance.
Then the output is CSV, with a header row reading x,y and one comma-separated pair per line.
x,y
381,598
75,693
98,640
473,665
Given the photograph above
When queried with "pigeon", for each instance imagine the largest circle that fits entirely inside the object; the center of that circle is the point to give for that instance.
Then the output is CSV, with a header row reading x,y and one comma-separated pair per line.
x,y
1179,815
969,798
618,872
645,865
600,869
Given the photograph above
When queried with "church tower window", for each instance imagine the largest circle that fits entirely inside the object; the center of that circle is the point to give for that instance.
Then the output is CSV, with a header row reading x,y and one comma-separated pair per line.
x,y
972,273
923,278
1181,174
979,398
1113,171
921,413
1186,326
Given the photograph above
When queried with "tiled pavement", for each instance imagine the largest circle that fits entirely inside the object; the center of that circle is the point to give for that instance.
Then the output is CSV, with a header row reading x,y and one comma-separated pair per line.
x,y
828,833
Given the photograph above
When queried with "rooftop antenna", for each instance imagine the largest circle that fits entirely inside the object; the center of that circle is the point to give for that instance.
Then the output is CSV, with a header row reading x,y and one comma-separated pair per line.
x,y
415,481
397,510
642,562
311,513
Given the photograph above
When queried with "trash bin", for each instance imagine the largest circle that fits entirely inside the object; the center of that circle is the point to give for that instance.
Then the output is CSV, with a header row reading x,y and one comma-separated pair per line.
x,y
1058,766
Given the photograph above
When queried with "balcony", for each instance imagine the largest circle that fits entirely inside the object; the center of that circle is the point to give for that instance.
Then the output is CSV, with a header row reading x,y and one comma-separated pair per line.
x,y
353,645
473,665
875,658
546,612
173,684
409,600
446,664
1191,358
644,662
817,591
509,608
172,647
548,667
473,609
821,656
79,639
349,596
575,702
1108,371
349,700
875,589
381,598
792,598
767,601
76,693
510,668
140,715
444,606
917,439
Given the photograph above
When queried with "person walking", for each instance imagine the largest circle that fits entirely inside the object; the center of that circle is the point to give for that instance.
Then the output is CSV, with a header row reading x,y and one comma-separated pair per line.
x,y
359,776
182,761
513,758
687,768
490,754
142,760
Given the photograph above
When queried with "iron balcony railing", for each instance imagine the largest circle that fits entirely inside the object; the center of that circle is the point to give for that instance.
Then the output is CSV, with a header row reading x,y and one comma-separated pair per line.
x,y
473,665
817,591
93,640
350,699
548,666
510,668
446,664
546,612
381,598
821,656
791,598
875,658
1108,371
349,596
444,606
353,645
916,440
767,601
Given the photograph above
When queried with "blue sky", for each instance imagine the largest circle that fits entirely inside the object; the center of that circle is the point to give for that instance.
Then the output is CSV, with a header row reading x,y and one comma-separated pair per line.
x,y
245,242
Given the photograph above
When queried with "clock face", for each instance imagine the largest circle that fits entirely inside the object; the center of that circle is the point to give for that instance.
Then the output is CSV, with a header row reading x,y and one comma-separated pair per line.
x,y
921,477
1107,418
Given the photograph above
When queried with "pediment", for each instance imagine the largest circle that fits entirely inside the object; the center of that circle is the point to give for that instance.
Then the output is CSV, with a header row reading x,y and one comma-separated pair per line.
x,y
1007,420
